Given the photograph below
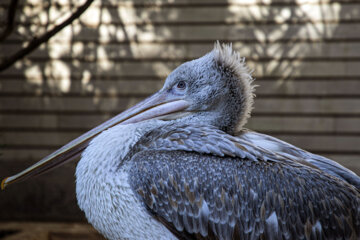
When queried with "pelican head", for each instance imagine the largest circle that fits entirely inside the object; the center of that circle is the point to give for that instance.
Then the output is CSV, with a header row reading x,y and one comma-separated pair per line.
x,y
214,89
217,88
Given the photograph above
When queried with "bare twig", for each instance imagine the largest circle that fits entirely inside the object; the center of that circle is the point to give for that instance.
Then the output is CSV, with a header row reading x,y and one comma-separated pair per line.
x,y
10,23
36,42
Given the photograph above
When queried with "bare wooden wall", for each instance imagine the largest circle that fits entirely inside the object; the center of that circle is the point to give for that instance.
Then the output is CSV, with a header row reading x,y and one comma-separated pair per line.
x,y
305,55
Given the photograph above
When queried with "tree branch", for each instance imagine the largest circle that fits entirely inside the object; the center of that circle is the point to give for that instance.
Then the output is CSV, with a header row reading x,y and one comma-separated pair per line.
x,y
36,42
10,20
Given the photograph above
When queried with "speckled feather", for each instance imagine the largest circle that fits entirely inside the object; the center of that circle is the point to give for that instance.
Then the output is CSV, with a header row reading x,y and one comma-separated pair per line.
x,y
187,175
247,144
203,139
203,196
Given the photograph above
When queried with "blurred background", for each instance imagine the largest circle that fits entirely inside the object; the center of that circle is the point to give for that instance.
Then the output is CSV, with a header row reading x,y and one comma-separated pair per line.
x,y
305,56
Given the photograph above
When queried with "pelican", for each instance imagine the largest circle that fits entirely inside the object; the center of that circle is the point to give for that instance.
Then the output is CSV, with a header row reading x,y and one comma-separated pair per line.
x,y
180,165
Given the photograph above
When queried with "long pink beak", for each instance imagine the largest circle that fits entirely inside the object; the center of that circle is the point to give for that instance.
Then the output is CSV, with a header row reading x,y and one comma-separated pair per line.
x,y
158,105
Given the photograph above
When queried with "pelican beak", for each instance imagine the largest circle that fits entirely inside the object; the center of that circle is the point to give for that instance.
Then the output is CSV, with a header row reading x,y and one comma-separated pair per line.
x,y
160,105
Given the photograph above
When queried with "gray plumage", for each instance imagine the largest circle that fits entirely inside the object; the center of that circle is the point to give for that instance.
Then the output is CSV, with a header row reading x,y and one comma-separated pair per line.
x,y
185,167
208,139
226,192
243,199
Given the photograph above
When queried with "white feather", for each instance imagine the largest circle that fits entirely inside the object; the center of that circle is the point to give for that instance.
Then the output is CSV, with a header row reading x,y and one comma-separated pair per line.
x,y
103,190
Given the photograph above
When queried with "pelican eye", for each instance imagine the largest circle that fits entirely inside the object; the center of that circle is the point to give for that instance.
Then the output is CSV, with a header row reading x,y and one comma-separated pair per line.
x,y
181,85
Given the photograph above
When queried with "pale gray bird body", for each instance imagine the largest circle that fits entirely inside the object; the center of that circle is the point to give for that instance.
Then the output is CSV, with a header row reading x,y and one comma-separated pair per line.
x,y
180,166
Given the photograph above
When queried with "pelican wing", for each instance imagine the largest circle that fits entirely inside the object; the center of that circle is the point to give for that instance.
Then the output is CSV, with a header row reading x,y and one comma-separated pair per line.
x,y
199,196
248,144
290,151
204,139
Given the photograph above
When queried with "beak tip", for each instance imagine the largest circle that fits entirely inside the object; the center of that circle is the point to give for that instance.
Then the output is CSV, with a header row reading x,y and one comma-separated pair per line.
x,y
3,183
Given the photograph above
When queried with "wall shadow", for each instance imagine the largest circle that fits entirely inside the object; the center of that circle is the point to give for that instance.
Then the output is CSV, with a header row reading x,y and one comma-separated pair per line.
x,y
117,53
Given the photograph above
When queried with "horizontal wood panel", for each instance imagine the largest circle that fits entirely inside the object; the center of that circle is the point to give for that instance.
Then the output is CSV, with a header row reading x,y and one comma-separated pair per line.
x,y
51,121
350,161
324,143
232,32
305,124
50,197
37,138
228,14
186,3
267,105
231,13
287,124
308,88
27,155
142,51
66,104
323,88
274,68
110,88
319,106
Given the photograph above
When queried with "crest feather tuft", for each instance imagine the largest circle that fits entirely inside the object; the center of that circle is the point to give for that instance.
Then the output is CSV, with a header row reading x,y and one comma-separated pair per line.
x,y
225,56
